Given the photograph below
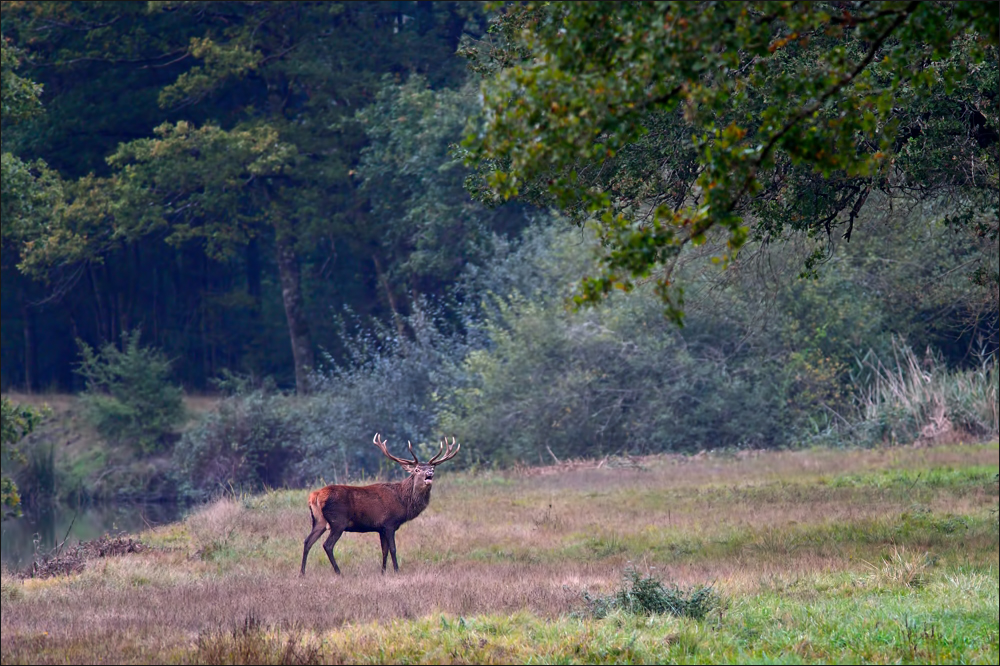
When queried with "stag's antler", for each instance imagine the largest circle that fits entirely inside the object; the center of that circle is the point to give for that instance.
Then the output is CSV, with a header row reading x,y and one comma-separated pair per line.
x,y
448,454
381,443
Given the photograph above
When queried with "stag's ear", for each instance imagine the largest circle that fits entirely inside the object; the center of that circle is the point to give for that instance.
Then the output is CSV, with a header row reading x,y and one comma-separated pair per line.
x,y
409,469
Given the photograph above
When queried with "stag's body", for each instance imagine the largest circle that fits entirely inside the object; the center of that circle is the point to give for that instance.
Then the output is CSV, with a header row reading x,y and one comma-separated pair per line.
x,y
380,507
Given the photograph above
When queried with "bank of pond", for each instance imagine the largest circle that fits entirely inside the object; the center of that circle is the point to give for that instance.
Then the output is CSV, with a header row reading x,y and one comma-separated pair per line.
x,y
43,528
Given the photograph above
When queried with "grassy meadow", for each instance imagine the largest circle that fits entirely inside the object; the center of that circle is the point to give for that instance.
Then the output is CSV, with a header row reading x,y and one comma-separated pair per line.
x,y
885,555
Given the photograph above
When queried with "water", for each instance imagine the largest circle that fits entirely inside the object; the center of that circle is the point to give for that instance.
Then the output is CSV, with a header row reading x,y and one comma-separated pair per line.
x,y
41,530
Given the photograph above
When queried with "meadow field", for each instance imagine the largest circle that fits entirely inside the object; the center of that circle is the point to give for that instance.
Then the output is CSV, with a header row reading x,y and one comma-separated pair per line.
x,y
864,555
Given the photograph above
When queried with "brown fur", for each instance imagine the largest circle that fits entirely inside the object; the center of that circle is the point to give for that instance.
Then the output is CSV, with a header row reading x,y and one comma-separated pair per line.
x,y
379,507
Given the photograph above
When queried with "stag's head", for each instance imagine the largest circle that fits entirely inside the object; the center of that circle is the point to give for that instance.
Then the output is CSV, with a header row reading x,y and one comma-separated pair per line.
x,y
422,472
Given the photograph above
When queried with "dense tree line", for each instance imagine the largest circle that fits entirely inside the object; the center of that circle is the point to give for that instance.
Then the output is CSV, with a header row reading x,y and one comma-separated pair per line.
x,y
397,208
206,158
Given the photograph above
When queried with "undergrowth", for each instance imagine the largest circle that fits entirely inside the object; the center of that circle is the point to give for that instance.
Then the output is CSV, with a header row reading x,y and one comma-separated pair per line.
x,y
647,595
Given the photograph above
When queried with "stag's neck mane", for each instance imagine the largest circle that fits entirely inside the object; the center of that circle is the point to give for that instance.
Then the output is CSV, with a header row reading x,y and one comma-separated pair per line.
x,y
414,498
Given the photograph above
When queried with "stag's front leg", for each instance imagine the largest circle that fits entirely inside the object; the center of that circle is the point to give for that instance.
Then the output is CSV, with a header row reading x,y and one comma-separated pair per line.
x,y
392,551
384,539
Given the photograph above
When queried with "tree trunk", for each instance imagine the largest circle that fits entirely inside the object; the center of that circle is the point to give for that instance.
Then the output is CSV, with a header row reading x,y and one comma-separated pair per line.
x,y
391,298
28,316
99,310
253,276
298,328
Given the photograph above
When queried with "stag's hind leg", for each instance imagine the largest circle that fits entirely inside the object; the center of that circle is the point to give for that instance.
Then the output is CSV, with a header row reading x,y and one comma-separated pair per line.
x,y
317,531
330,542
319,524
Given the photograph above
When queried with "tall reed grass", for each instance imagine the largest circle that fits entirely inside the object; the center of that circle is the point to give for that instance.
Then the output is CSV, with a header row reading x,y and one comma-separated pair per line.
x,y
912,399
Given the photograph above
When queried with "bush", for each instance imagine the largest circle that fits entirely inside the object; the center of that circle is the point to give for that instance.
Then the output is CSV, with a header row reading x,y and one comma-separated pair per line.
x,y
645,595
514,374
251,440
616,380
16,422
389,385
129,398
764,360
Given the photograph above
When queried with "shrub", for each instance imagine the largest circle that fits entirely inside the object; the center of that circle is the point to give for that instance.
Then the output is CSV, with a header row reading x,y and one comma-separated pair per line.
x,y
250,440
609,381
645,595
129,398
758,364
16,422
387,384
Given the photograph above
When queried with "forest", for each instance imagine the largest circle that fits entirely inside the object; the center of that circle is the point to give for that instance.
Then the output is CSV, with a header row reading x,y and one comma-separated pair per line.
x,y
553,231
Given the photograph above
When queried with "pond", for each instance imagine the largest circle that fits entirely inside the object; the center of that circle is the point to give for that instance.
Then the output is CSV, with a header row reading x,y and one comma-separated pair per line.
x,y
41,530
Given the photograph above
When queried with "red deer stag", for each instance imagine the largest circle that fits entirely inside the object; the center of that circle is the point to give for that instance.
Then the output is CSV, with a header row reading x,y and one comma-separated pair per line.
x,y
380,507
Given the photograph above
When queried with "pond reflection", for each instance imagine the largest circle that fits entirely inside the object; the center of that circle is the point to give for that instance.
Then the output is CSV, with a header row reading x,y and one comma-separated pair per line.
x,y
43,528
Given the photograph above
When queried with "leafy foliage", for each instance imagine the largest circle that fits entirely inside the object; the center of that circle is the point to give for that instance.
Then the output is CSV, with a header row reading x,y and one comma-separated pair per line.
x,y
191,183
661,121
28,190
609,383
129,397
250,163
765,360
619,379
229,174
258,437
19,97
428,225
16,421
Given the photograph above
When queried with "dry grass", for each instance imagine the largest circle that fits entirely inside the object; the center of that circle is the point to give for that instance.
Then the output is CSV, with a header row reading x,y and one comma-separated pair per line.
x,y
495,544
900,569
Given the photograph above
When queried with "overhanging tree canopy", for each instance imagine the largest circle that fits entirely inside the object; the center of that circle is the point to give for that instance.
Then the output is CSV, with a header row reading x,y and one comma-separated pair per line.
x,y
663,120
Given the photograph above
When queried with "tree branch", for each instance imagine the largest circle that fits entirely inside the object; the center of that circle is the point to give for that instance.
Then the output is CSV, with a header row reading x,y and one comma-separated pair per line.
x,y
812,108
